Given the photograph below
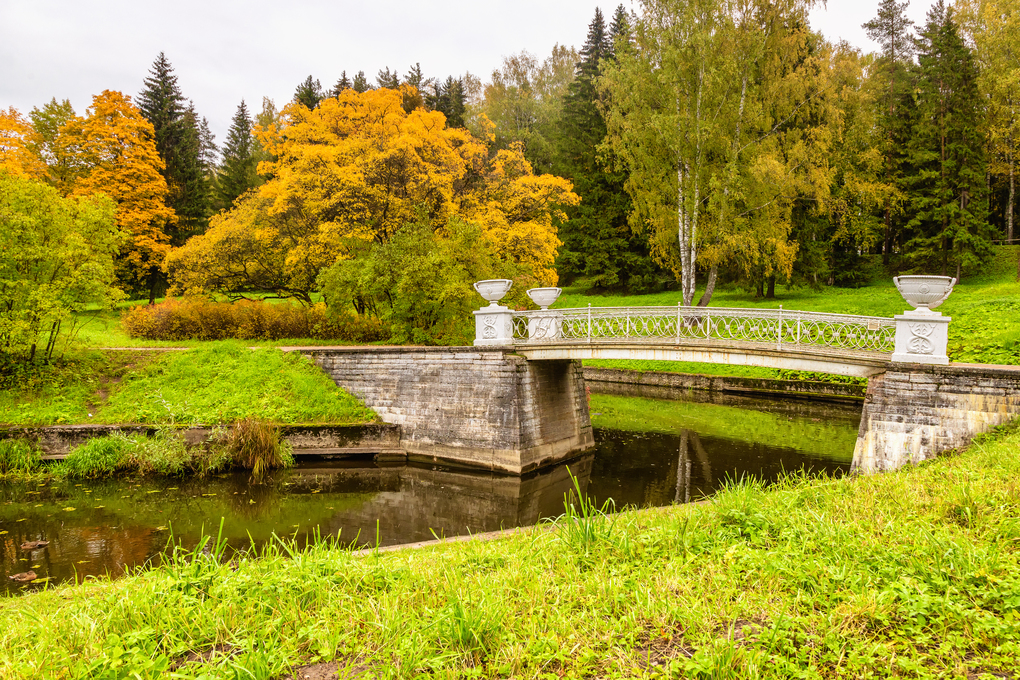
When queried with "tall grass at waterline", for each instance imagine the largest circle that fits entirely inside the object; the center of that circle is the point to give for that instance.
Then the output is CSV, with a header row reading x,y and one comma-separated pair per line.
x,y
248,445
18,457
907,574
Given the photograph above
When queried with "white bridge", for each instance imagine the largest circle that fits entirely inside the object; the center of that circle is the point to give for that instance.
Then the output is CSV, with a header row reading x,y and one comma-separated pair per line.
x,y
806,341
841,344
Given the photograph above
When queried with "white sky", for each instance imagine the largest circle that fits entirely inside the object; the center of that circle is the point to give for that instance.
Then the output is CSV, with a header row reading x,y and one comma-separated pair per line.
x,y
226,50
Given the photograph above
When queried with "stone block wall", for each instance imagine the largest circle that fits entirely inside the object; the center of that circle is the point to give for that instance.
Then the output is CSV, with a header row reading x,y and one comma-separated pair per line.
x,y
913,412
483,408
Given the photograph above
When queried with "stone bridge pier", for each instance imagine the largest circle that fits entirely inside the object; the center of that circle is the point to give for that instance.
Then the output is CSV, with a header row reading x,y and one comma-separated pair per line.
x,y
477,407
914,411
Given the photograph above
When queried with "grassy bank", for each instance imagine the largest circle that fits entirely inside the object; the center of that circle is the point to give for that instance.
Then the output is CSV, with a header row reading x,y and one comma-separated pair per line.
x,y
217,382
908,574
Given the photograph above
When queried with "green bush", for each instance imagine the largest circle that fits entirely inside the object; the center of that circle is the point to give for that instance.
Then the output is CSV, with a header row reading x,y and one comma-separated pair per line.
x,y
195,319
18,456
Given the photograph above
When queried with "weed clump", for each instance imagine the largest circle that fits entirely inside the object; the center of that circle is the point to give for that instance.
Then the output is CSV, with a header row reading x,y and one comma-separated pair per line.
x,y
18,456
256,445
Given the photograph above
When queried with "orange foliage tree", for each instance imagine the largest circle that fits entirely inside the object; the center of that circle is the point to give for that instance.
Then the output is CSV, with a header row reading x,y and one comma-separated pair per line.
x,y
113,152
354,171
16,139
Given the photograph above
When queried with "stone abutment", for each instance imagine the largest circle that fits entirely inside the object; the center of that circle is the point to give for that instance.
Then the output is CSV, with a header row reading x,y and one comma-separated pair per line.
x,y
478,407
913,412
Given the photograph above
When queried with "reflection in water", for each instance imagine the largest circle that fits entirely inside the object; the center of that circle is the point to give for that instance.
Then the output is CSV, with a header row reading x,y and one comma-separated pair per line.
x,y
102,528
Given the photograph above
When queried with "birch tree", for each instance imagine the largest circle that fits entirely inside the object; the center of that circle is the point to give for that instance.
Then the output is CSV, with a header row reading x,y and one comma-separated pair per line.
x,y
699,103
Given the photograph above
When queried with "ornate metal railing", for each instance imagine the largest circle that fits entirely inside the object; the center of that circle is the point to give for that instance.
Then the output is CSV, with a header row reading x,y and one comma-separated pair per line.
x,y
677,325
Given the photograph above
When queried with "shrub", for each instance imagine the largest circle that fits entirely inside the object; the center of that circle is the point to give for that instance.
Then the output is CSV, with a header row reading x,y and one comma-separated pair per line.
x,y
196,319
18,456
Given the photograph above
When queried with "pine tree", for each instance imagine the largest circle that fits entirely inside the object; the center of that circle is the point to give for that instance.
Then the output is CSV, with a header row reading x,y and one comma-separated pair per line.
x,y
360,83
946,183
179,145
891,29
309,93
239,170
598,244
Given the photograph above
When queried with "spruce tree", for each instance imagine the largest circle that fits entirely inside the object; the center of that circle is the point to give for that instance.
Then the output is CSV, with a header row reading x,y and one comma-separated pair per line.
x,y
946,184
178,140
239,170
360,83
598,244
449,99
309,93
343,83
891,29
388,79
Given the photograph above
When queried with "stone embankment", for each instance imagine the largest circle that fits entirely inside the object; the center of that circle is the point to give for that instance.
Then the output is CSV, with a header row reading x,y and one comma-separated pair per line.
x,y
600,379
321,441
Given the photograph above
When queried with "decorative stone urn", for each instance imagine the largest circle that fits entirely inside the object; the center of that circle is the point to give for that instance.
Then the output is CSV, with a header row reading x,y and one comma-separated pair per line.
x,y
543,297
924,292
544,324
493,323
922,335
493,290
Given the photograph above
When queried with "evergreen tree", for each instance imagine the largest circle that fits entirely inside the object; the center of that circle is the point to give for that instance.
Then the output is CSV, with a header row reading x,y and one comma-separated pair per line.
x,y
344,83
360,83
388,79
449,99
178,141
598,244
891,29
416,79
946,183
619,30
309,93
239,170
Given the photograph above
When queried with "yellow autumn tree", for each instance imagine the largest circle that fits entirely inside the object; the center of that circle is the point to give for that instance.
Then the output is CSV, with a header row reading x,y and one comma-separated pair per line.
x,y
352,173
114,153
16,139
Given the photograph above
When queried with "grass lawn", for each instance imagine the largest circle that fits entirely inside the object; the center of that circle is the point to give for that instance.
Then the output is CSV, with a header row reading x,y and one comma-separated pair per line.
x,y
216,382
908,574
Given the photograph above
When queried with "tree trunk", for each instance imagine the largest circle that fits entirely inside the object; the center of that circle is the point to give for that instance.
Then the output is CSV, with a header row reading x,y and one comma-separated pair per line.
x,y
706,297
153,280
759,289
771,294
1012,193
887,243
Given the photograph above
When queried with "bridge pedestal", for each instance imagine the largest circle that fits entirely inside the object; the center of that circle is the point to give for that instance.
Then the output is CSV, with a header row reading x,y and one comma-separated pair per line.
x,y
922,337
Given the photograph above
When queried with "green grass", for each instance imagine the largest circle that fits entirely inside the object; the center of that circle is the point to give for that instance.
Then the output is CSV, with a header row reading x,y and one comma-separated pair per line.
x,y
216,382
832,438
909,574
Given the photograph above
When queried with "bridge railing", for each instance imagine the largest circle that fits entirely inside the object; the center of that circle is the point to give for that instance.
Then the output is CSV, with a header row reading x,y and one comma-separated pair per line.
x,y
778,327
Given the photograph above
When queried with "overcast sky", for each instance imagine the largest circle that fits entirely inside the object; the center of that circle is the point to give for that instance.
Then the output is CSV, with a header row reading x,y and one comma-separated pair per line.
x,y
226,50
